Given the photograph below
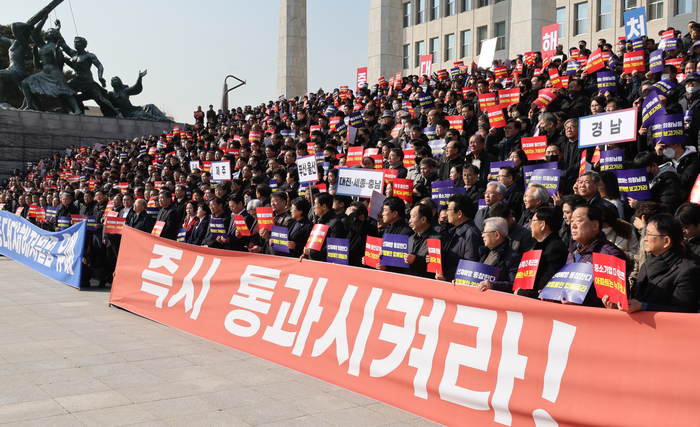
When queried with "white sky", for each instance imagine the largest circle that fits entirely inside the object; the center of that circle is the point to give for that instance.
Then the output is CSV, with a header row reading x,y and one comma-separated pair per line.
x,y
189,47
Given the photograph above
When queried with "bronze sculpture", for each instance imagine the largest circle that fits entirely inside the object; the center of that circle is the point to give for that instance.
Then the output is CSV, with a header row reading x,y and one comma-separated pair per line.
x,y
17,51
120,98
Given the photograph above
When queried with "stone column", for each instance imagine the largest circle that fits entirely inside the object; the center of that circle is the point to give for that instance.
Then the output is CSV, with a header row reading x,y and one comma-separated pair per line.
x,y
527,17
291,54
385,47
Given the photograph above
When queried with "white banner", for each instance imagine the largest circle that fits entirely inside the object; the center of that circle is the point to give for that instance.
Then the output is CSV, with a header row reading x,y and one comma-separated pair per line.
x,y
220,171
359,182
607,128
488,51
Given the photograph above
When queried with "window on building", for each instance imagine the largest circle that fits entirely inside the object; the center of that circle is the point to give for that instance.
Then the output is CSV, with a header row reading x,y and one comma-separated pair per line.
x,y
483,3
449,47
466,43
655,10
407,14
629,5
604,14
561,20
466,5
684,6
435,49
499,1
406,56
420,51
581,18
499,31
434,9
481,34
420,11
450,7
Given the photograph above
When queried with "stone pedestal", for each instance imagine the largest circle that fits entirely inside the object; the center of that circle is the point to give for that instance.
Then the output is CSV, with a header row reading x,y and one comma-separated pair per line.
x,y
28,136
291,54
384,50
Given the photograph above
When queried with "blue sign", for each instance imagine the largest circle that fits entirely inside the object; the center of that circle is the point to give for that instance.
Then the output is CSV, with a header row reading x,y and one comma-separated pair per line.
x,y
55,255
338,250
470,273
635,23
572,283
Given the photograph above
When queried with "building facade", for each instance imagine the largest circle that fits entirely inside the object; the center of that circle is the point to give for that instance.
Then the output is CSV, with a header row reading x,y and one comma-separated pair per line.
x,y
453,30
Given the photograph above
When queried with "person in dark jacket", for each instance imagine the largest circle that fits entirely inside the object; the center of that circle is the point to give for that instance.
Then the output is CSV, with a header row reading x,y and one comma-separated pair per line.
x,y
577,103
233,241
215,240
421,223
200,230
396,162
668,281
168,214
686,161
688,214
519,238
394,214
664,182
498,253
140,220
451,158
479,157
587,232
181,200
463,240
323,209
301,227
359,227
475,188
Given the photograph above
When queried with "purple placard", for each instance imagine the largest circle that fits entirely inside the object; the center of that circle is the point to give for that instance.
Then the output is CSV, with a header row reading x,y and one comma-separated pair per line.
x,y
572,67
182,235
634,183
91,223
669,44
612,159
652,109
338,250
426,101
376,204
637,44
430,132
496,166
547,177
470,273
279,237
668,129
273,185
440,192
63,222
216,226
356,120
482,204
607,81
394,247
688,116
663,86
51,213
572,283
656,61
527,170
293,133
437,147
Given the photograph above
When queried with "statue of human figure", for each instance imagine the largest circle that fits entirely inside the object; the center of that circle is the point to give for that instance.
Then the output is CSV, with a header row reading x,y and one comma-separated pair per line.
x,y
120,98
50,80
81,61
18,47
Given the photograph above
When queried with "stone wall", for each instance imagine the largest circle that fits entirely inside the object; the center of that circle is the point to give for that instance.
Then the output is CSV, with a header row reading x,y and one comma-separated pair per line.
x,y
28,135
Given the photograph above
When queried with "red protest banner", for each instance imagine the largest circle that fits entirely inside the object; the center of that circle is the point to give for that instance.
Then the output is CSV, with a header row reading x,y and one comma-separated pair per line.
x,y
500,72
19,210
634,61
583,165
373,249
361,77
32,210
534,147
443,75
487,100
496,117
507,97
676,62
390,175
266,218
435,256
595,62
74,219
158,228
114,224
409,158
545,97
456,122
527,270
241,226
550,38
348,308
40,214
354,156
555,78
609,278
396,131
403,188
317,236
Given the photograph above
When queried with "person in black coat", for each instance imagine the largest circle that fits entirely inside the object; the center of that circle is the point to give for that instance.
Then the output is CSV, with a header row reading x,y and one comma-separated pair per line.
x,y
498,253
234,241
394,214
168,214
301,228
323,209
181,200
200,230
475,188
664,182
463,240
421,222
140,220
359,227
668,279
215,240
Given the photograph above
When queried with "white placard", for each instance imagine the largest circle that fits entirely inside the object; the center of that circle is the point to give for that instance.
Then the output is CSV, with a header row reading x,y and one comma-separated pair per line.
x,y
194,164
306,166
488,51
220,171
359,182
607,128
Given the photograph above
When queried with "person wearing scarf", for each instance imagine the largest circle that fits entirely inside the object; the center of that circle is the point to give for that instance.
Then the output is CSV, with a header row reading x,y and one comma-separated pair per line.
x,y
668,280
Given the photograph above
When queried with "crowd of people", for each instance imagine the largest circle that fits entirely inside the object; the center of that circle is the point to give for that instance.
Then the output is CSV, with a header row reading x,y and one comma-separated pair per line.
x,y
156,178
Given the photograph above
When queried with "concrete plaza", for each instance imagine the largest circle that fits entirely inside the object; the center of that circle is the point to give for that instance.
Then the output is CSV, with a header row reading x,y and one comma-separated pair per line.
x,y
68,359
